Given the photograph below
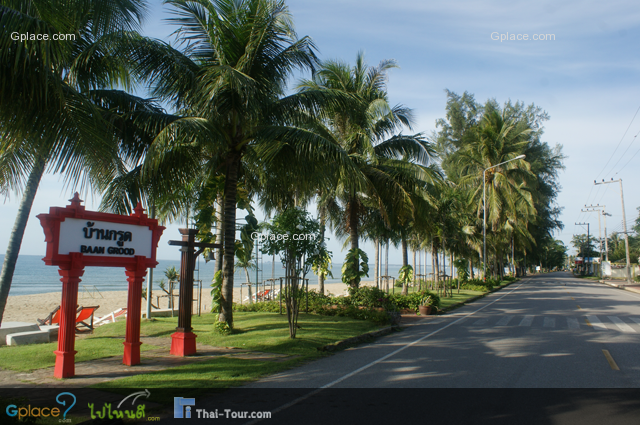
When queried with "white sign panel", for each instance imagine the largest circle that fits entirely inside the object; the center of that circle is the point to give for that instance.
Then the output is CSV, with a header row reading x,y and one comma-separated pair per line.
x,y
101,238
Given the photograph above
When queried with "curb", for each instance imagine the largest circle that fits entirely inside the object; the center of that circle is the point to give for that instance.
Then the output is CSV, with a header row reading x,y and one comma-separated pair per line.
x,y
613,285
369,336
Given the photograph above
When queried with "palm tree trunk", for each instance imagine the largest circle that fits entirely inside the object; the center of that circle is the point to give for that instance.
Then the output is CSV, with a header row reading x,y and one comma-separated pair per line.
x,y
377,261
424,273
451,263
414,268
471,267
444,259
386,264
433,265
436,265
246,272
405,262
321,275
219,232
230,189
353,222
353,233
17,233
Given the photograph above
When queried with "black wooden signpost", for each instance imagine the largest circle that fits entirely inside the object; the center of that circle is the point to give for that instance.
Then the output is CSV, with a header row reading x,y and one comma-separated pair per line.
x,y
183,341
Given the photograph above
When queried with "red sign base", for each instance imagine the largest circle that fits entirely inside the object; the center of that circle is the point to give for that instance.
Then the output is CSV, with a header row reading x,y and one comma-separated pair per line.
x,y
183,344
131,353
65,364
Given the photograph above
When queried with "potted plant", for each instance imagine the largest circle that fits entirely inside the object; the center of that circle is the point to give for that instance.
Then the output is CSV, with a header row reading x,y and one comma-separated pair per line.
x,y
425,305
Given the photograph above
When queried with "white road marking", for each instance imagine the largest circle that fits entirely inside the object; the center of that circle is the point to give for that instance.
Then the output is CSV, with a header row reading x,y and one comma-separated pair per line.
x,y
596,323
621,325
572,322
504,321
549,322
635,320
526,321
411,344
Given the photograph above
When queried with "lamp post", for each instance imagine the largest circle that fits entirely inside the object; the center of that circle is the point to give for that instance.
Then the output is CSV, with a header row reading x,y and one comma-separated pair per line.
x,y
484,215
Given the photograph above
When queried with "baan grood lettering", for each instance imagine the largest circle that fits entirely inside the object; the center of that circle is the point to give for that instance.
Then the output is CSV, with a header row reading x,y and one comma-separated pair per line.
x,y
105,234
112,250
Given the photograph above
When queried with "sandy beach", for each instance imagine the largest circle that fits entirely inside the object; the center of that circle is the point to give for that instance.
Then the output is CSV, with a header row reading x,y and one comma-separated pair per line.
x,y
28,308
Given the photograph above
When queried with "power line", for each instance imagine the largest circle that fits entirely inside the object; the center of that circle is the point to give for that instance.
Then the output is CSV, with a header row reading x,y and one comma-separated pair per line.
x,y
623,153
631,159
616,149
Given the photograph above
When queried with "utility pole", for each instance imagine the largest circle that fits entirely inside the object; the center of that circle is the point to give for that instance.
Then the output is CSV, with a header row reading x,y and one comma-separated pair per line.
x,y
596,208
606,239
587,253
624,225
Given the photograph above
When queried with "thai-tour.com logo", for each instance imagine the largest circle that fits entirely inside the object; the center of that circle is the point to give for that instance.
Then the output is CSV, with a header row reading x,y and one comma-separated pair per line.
x,y
182,410
66,400
182,407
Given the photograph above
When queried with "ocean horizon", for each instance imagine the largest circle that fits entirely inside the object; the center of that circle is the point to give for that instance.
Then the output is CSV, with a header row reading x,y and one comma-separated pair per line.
x,y
32,276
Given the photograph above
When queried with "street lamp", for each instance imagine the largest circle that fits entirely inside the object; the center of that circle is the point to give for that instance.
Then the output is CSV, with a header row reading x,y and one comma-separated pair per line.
x,y
484,214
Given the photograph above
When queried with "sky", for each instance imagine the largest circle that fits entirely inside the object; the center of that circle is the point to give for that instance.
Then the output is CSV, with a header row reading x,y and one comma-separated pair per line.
x,y
584,75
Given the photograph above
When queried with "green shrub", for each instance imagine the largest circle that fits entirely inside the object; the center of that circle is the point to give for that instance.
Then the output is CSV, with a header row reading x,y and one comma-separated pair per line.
x,y
414,300
366,296
261,307
360,307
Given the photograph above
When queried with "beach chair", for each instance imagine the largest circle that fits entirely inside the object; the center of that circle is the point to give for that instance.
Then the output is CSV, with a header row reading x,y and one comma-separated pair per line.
x,y
84,315
111,316
263,295
53,318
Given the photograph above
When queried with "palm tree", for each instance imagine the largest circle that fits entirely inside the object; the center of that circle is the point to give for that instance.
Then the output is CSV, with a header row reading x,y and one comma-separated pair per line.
x,y
227,84
48,115
364,127
508,186
522,129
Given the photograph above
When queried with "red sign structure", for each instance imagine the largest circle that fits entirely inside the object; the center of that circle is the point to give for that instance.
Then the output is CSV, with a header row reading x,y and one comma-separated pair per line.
x,y
76,239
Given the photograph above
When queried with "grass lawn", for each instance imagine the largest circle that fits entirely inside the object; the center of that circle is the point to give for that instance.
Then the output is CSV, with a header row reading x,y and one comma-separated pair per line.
x,y
264,332
465,294
27,358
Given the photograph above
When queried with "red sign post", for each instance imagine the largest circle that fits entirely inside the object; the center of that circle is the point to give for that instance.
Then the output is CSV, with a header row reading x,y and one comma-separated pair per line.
x,y
76,239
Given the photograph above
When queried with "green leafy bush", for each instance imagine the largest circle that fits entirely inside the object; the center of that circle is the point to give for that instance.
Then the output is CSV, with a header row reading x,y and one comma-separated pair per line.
x,y
366,296
261,307
363,305
414,300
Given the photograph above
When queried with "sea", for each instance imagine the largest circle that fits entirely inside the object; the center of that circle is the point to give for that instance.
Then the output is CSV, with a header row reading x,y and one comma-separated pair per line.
x,y
32,276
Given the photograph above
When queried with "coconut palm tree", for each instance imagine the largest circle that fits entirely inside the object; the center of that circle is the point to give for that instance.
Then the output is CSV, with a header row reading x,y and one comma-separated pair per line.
x,y
48,114
365,128
227,83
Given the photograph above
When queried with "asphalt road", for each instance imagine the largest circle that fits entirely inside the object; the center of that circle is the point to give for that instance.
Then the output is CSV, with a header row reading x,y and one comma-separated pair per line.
x,y
548,331
550,349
